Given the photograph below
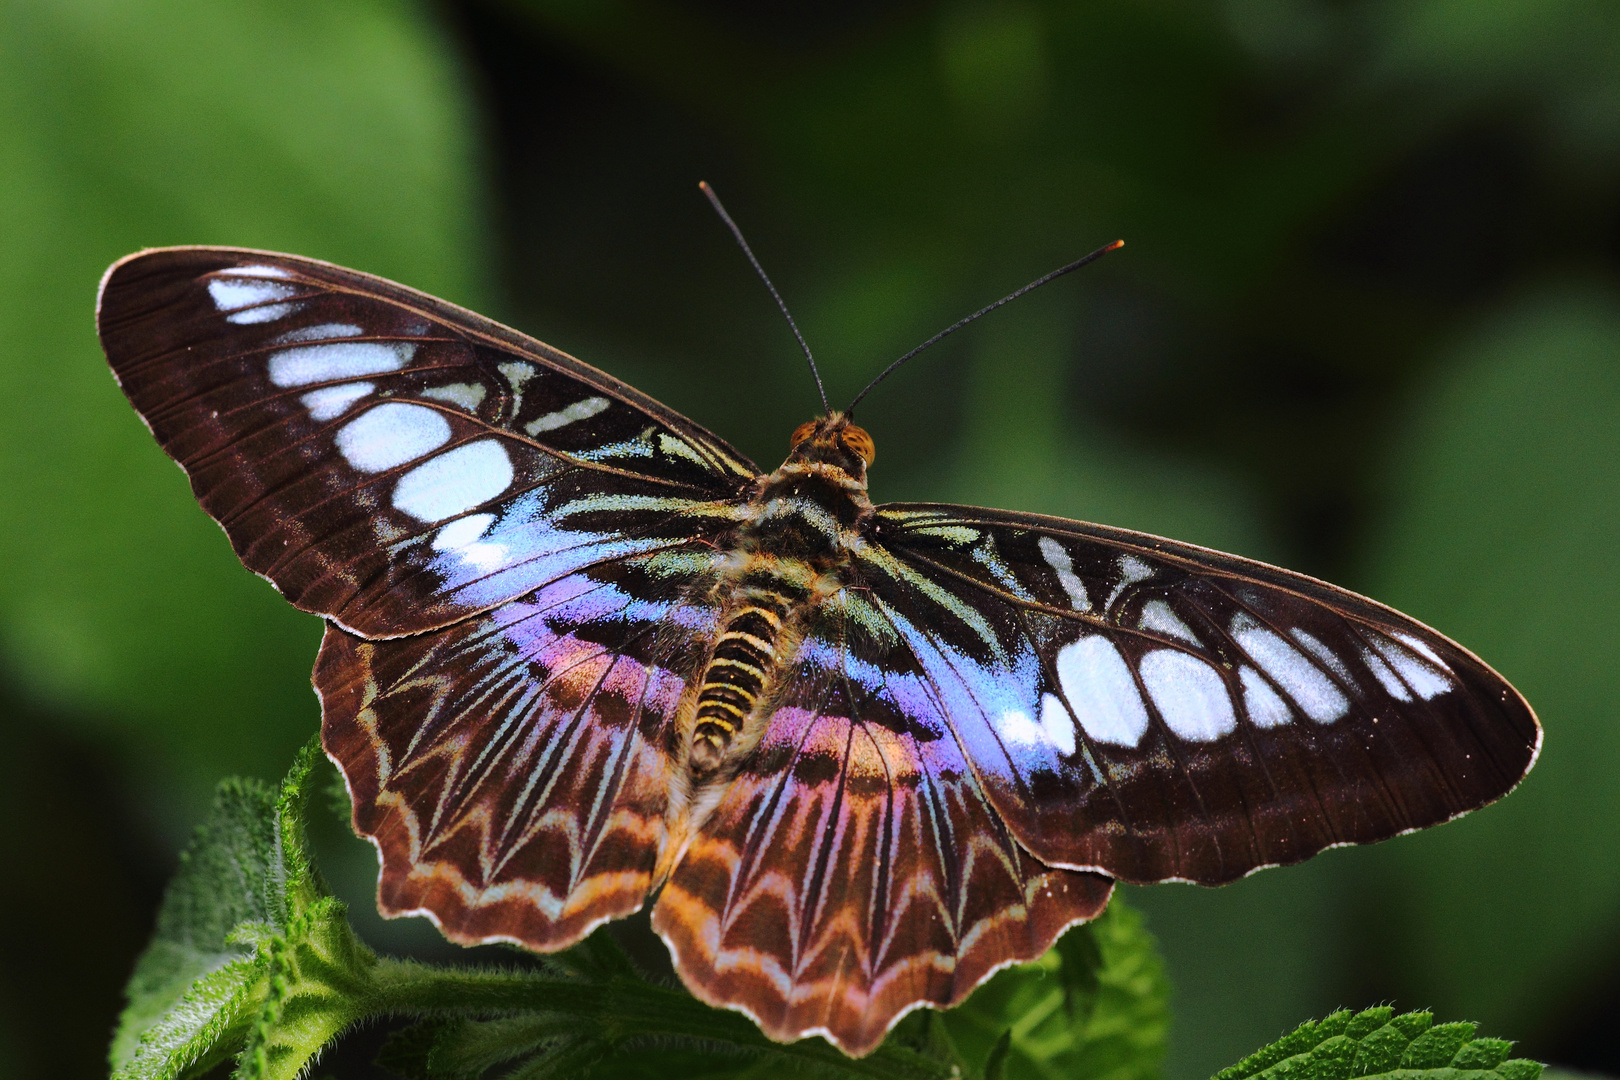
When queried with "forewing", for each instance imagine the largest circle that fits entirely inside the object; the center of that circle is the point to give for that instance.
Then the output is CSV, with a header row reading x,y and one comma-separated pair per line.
x,y
513,769
856,868
1159,711
389,460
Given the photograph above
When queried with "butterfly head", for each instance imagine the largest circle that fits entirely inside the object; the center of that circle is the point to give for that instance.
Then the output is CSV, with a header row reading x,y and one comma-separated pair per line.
x,y
834,440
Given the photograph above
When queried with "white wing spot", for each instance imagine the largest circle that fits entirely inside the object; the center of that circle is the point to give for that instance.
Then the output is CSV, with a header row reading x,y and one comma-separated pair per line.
x,y
579,410
1260,701
1101,691
485,556
235,295
1158,616
1057,724
467,395
321,332
1131,570
257,270
1386,678
331,402
1423,647
392,434
1312,690
1324,654
264,314
517,373
1189,694
305,364
1423,679
1017,728
462,531
1063,567
455,481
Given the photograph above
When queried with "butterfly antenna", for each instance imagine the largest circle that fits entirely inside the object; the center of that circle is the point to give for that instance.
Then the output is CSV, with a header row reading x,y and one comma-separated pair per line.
x,y
987,309
714,200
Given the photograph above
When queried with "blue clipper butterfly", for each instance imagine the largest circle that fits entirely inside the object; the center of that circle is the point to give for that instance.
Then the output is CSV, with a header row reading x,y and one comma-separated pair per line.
x,y
581,655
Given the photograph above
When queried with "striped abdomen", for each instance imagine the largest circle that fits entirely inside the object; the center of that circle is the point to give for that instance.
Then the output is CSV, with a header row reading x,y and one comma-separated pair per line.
x,y
742,661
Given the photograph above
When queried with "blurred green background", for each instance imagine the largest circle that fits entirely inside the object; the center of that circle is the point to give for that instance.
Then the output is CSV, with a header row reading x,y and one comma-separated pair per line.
x,y
1367,325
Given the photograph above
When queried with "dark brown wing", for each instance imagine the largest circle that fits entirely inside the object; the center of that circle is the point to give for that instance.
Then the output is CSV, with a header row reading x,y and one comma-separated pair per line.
x,y
389,460
1159,711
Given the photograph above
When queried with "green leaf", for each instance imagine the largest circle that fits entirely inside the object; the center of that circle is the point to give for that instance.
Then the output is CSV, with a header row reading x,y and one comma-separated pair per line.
x,y
318,977
250,954
462,1048
587,1012
1096,1005
254,958
343,131
1377,1043
200,980
995,1066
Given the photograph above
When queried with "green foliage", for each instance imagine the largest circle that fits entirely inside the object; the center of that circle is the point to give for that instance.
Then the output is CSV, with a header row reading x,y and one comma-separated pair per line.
x,y
1238,376
1378,1043
336,130
1510,472
253,959
1097,1006
250,956
194,984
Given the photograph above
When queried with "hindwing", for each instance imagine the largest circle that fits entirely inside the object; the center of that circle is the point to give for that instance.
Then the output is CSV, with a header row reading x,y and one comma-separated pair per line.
x,y
856,868
1159,711
514,769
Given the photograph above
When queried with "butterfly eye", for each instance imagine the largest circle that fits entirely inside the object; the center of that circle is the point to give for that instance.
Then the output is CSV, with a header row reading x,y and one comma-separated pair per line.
x,y
859,441
801,433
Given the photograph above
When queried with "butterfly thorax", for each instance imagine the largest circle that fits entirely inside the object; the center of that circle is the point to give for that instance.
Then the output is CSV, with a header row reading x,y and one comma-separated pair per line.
x,y
792,550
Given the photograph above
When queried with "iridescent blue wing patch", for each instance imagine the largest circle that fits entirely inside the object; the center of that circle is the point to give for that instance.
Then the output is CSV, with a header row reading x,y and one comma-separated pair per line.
x,y
1159,711
387,459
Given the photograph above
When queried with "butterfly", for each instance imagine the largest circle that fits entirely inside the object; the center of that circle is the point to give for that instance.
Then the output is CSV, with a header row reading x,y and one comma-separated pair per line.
x,y
581,655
